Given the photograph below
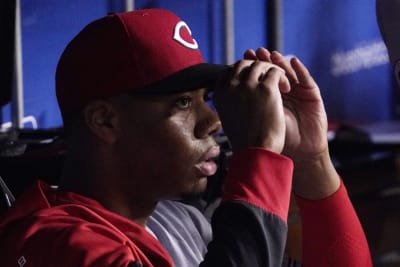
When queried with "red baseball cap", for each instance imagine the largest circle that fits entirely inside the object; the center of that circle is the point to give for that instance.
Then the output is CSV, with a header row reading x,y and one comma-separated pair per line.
x,y
144,51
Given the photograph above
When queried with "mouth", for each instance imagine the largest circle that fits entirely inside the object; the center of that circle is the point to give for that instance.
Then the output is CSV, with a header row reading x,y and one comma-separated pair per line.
x,y
207,165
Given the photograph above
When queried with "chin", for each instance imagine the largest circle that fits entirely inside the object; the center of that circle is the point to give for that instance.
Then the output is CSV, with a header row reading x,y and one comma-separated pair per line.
x,y
196,190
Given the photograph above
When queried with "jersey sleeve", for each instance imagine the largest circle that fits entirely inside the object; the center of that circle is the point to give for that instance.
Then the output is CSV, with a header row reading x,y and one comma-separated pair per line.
x,y
332,233
250,225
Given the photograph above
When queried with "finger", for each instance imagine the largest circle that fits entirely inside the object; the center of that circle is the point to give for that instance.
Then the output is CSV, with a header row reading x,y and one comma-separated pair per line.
x,y
242,65
255,73
271,78
266,65
284,84
281,61
250,54
239,72
251,72
263,54
230,81
279,77
303,75
258,69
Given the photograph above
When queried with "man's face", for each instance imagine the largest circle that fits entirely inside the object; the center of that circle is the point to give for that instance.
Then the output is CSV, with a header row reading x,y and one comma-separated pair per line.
x,y
166,145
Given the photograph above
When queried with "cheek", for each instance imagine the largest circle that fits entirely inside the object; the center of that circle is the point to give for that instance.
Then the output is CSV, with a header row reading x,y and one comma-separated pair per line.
x,y
177,143
176,156
163,154
169,147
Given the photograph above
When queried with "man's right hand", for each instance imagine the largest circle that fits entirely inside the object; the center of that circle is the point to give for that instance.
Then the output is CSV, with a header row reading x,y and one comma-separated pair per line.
x,y
306,129
249,104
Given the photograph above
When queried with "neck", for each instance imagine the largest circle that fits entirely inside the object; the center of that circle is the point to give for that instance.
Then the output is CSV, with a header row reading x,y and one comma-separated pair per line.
x,y
139,212
95,182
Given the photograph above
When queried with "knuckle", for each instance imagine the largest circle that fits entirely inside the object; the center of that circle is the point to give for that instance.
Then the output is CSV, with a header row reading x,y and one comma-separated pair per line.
x,y
233,83
249,84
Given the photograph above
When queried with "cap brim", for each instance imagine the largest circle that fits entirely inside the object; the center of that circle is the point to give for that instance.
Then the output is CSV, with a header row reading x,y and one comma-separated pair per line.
x,y
202,75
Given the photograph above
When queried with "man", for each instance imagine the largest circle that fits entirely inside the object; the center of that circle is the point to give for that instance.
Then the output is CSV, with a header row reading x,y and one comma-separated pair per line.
x,y
133,91
389,23
172,222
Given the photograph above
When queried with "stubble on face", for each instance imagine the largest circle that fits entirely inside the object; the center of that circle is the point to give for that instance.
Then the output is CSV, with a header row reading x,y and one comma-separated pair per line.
x,y
159,147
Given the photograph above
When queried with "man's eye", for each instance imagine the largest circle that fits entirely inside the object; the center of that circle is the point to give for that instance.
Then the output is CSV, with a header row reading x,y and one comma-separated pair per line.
x,y
184,102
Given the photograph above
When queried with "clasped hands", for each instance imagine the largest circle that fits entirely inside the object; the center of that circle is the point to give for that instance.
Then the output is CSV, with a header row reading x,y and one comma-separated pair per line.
x,y
268,101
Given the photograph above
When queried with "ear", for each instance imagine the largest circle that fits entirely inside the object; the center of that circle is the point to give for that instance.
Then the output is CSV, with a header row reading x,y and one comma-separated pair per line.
x,y
101,117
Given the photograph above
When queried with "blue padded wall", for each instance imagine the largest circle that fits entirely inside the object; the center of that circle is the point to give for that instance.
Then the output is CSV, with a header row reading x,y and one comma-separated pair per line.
x,y
338,40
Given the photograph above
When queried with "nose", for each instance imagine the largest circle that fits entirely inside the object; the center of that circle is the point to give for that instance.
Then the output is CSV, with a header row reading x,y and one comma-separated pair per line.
x,y
208,123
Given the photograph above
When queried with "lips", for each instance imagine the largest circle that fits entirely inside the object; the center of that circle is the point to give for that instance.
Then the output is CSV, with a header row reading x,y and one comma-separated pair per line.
x,y
207,166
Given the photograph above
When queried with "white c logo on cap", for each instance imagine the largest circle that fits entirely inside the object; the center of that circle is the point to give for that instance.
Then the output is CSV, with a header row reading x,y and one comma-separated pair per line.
x,y
177,36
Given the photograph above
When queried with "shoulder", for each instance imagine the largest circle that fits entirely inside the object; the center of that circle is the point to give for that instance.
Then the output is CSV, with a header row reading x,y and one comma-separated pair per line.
x,y
67,236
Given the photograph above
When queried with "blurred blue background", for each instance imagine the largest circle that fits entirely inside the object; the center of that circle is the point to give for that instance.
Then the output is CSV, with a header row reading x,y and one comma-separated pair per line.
x,y
338,40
